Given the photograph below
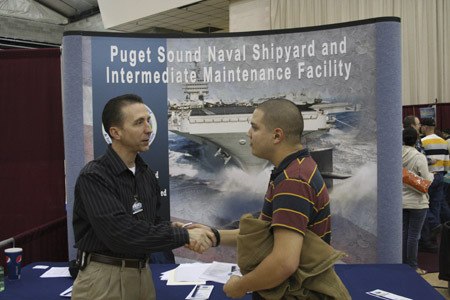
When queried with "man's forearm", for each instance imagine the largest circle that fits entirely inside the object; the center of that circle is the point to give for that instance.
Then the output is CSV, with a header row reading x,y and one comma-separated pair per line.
x,y
268,274
273,269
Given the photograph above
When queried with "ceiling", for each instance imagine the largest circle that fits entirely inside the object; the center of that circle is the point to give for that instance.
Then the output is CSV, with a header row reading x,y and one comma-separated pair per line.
x,y
202,16
73,10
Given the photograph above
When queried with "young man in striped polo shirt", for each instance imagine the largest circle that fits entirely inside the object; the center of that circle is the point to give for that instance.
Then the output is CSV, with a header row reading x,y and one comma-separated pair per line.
x,y
296,198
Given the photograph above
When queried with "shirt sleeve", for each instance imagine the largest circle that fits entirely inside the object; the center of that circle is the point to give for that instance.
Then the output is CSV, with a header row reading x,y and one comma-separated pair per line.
x,y
422,168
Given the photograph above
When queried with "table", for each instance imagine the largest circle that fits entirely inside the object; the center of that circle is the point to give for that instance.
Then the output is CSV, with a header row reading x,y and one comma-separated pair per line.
x,y
176,292
31,287
359,279
399,279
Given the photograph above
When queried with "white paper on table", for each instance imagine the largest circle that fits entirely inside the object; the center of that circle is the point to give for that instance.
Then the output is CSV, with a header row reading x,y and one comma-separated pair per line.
x,y
42,267
190,272
386,295
219,272
56,272
67,293
200,292
171,280
165,275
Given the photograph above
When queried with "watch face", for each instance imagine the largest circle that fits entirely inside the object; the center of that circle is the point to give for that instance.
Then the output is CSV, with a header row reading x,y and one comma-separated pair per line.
x,y
153,123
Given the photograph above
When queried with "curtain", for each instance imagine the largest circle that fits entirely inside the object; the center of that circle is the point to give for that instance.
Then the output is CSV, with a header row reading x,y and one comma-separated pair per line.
x,y
425,36
47,242
32,190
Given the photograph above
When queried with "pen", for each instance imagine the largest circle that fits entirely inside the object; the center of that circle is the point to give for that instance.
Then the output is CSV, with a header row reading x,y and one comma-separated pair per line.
x,y
186,225
233,268
197,287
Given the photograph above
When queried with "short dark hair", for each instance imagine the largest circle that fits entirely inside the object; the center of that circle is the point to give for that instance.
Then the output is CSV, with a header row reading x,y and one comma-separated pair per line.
x,y
428,122
409,121
112,112
284,114
410,136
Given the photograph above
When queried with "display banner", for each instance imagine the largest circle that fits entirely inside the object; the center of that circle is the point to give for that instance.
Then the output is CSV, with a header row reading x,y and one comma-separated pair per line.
x,y
110,53
427,112
202,91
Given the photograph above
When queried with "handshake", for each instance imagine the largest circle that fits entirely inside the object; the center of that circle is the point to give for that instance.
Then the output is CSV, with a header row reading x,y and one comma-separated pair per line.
x,y
201,237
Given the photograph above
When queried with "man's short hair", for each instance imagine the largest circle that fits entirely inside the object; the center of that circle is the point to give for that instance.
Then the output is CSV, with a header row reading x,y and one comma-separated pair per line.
x,y
410,136
284,114
112,112
428,122
409,121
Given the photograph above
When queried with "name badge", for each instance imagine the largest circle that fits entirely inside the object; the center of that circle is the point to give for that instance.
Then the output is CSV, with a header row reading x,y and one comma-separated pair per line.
x,y
137,207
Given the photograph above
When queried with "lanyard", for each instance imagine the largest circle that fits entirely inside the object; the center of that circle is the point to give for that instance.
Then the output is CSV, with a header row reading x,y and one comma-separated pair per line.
x,y
137,205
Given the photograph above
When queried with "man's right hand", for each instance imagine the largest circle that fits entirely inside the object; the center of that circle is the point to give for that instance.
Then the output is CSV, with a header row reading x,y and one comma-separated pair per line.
x,y
200,238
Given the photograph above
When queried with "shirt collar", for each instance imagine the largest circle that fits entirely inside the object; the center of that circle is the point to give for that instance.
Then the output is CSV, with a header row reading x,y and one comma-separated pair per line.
x,y
117,164
287,161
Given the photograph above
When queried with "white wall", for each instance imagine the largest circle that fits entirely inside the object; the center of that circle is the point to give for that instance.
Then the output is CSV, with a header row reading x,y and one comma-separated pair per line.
x,y
249,15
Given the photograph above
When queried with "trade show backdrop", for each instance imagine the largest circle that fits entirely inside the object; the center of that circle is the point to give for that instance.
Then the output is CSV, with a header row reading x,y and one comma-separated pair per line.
x,y
202,91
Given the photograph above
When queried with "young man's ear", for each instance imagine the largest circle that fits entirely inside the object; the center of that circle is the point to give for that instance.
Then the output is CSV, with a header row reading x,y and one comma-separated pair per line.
x,y
278,135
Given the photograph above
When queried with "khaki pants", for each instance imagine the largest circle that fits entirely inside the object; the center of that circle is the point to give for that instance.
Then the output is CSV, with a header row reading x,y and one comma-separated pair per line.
x,y
102,281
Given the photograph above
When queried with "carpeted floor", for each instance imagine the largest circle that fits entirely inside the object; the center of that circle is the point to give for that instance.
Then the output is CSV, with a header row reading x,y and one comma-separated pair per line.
x,y
430,262
440,285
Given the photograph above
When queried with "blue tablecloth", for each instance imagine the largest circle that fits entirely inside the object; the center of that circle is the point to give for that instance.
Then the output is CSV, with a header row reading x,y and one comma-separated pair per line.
x,y
31,287
359,279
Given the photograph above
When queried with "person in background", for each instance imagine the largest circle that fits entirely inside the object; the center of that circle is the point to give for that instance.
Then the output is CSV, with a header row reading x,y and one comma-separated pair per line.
x,y
446,134
415,203
411,121
414,122
436,150
296,198
115,216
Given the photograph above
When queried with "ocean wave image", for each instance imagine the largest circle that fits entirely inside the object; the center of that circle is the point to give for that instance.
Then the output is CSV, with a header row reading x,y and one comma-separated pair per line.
x,y
206,190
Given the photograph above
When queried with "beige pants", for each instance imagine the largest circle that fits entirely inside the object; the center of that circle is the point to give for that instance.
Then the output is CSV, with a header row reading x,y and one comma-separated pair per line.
x,y
101,281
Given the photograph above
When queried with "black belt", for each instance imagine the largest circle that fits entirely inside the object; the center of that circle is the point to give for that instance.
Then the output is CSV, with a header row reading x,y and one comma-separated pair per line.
x,y
127,263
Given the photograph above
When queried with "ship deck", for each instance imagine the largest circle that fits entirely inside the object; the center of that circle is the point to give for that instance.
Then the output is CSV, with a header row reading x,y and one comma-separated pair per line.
x,y
231,110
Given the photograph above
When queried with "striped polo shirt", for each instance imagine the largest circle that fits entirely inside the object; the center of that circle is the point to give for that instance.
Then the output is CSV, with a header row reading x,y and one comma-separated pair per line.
x,y
297,197
436,148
